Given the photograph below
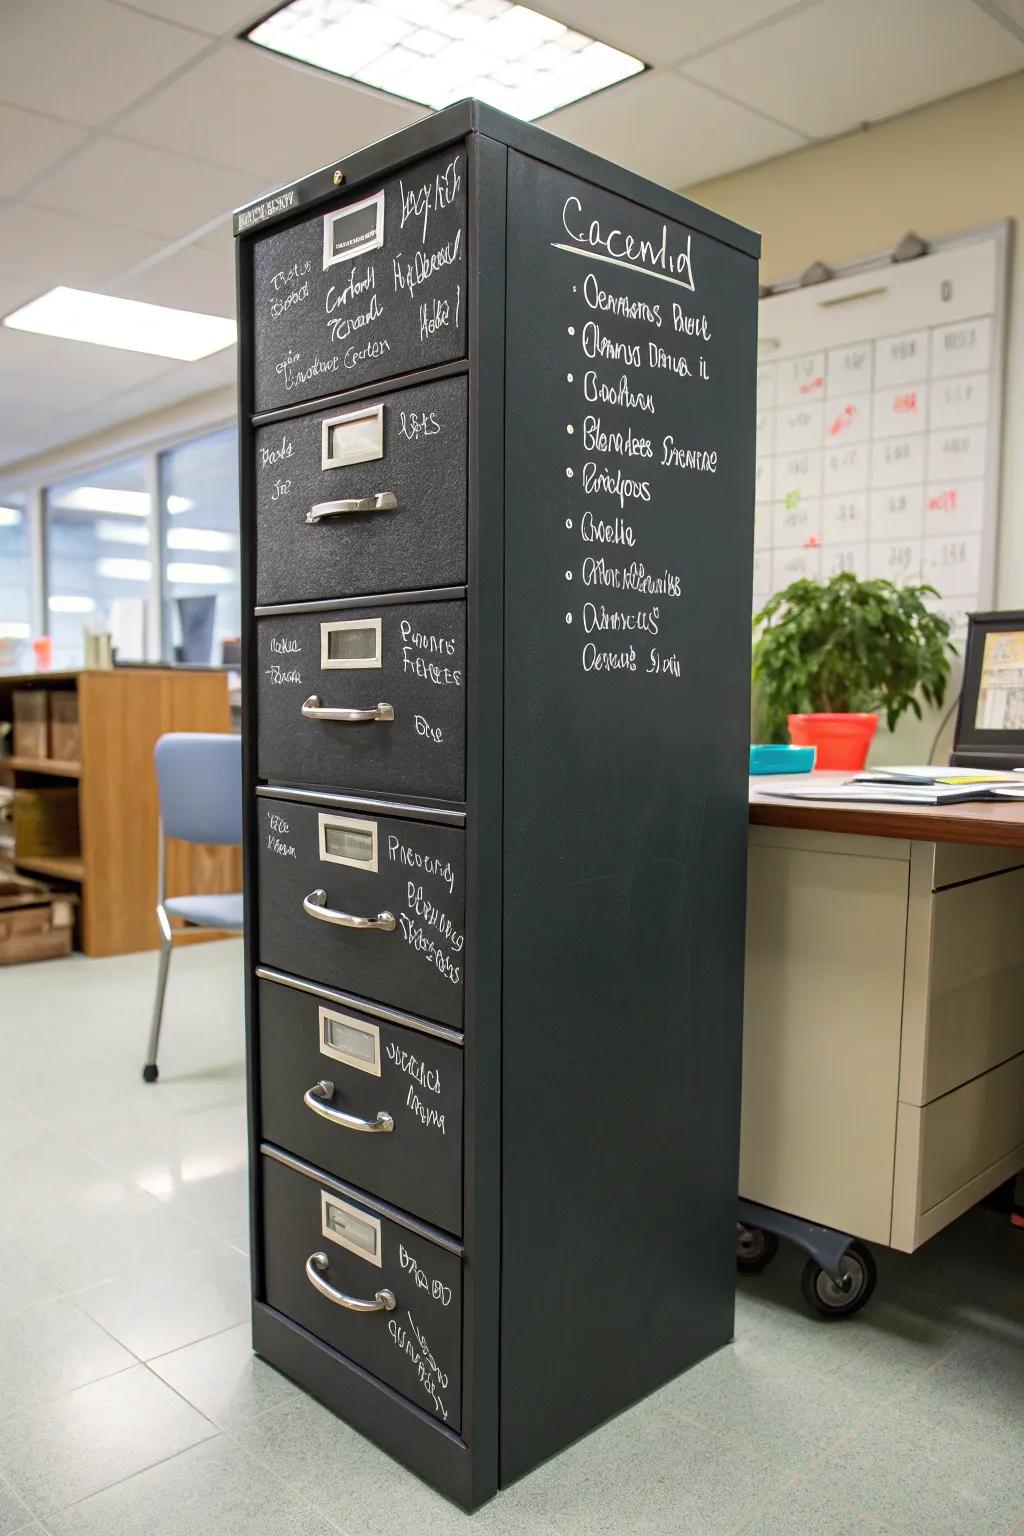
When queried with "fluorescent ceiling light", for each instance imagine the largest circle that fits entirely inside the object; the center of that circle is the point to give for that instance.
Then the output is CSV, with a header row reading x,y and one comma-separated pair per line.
x,y
176,504
108,321
208,539
124,570
101,498
14,629
121,532
438,51
201,575
71,604
10,517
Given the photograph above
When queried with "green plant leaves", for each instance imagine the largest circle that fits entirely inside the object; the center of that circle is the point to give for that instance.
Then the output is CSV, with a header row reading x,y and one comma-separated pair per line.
x,y
848,644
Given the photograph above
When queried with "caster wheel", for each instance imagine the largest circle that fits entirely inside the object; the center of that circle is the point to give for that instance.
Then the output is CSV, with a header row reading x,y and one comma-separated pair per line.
x,y
834,1300
755,1248
150,1073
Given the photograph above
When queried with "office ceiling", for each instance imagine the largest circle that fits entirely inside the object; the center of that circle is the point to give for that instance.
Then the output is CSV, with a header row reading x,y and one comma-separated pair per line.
x,y
128,131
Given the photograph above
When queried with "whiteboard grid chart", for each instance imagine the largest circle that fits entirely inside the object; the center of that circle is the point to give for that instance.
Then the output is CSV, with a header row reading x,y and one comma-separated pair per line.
x,y
878,426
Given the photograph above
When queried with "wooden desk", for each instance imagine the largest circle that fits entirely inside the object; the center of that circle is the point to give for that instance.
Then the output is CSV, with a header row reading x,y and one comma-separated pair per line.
x,y
984,825
883,1089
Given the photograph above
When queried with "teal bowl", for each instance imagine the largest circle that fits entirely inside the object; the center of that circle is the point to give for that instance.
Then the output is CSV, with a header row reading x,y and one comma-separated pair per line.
x,y
778,758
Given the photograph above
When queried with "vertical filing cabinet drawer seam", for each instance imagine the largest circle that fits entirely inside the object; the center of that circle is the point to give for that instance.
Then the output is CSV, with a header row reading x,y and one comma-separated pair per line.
x,y
404,1087
377,867
406,1281
332,517
323,286
369,698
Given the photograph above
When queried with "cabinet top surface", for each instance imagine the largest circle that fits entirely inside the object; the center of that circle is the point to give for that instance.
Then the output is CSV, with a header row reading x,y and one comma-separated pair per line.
x,y
455,122
983,823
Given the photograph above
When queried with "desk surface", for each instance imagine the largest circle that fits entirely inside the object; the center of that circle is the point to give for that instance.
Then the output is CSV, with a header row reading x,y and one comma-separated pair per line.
x,y
985,823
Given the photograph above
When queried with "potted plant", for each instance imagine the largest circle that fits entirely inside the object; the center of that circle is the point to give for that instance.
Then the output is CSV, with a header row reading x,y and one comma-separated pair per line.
x,y
829,656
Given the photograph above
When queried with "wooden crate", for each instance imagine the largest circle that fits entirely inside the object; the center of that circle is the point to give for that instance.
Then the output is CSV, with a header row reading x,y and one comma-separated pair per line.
x,y
46,823
65,731
31,707
35,922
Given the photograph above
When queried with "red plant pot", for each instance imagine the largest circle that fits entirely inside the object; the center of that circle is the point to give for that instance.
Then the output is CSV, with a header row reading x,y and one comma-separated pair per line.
x,y
842,740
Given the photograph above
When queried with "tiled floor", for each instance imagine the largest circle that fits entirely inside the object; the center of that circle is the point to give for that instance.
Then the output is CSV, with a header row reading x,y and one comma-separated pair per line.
x,y
130,1404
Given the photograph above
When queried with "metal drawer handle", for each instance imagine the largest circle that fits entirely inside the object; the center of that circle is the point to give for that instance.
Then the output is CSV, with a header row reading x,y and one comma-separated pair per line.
x,y
384,501
312,709
318,1100
383,1301
315,905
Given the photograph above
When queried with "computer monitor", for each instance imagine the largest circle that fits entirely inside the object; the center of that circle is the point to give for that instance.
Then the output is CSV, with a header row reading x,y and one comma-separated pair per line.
x,y
990,719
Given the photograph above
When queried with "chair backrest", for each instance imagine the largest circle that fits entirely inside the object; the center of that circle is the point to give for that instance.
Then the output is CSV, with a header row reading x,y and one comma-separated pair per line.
x,y
199,781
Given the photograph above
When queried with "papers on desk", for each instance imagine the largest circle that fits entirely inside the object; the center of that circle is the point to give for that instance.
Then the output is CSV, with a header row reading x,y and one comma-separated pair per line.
x,y
934,774
888,791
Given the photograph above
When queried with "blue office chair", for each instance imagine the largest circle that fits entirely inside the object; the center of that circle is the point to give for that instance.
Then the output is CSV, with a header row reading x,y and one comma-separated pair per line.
x,y
199,783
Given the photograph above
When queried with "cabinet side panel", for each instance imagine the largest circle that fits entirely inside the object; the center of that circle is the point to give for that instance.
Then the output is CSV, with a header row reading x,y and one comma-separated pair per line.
x,y
627,582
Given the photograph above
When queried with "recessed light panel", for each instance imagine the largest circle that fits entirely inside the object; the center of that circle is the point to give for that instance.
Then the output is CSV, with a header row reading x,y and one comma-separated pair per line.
x,y
106,321
438,51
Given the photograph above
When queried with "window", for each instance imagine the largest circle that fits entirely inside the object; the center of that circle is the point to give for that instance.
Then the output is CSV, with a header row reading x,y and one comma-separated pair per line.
x,y
98,561
199,514
15,585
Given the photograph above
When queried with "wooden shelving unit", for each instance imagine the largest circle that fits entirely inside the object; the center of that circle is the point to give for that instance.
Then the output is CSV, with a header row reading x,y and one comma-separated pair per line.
x,y
122,712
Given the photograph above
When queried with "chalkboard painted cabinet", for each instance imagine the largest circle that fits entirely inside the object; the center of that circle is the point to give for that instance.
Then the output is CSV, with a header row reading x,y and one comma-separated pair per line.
x,y
497,470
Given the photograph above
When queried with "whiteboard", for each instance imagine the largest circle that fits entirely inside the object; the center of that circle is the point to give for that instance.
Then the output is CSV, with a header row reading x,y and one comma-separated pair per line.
x,y
879,424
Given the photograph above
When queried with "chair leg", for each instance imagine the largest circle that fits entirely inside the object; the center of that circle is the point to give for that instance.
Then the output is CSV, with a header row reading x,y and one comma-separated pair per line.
x,y
150,1071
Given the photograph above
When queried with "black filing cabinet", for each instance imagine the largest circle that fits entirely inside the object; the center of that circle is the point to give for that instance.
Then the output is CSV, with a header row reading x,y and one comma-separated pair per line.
x,y
497,453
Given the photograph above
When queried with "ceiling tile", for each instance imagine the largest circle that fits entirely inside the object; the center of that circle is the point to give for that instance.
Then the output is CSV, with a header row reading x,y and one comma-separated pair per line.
x,y
662,31
193,277
28,144
243,107
39,249
145,188
217,18
825,70
670,130
85,59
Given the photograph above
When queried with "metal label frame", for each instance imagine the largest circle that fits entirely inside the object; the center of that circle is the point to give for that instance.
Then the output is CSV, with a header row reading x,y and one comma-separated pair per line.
x,y
326,1200
351,824
328,460
331,663
372,1068
372,242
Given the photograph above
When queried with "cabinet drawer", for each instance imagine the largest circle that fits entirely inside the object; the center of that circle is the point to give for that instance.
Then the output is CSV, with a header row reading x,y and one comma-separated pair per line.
x,y
952,1152
399,669
318,1233
314,860
365,498
373,288
378,1073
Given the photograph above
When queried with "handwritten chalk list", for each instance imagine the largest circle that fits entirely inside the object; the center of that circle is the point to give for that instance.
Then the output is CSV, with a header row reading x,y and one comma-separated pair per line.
x,y
879,426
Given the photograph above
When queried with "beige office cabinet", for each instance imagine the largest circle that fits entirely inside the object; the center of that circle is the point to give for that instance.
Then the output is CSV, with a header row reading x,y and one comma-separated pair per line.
x,y
883,1079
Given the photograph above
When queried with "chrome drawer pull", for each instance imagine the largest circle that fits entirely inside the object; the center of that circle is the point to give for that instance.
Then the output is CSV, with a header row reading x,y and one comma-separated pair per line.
x,y
315,905
312,709
318,1099
383,1301
384,501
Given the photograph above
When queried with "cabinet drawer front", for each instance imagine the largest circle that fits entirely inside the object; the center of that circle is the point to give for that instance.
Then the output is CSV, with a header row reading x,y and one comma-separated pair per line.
x,y
376,1069
415,1345
365,867
408,657
364,498
372,288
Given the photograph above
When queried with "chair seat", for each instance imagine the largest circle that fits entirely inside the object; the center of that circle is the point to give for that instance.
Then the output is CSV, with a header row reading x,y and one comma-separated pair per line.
x,y
207,911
